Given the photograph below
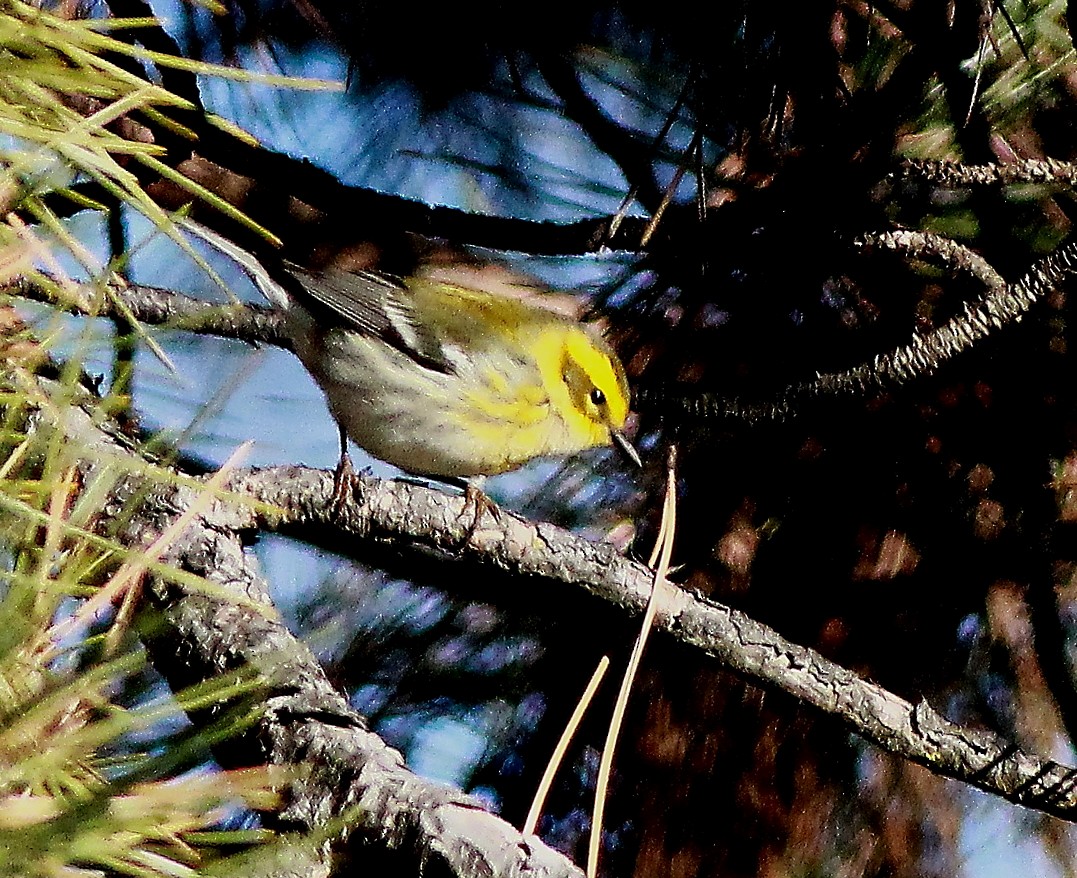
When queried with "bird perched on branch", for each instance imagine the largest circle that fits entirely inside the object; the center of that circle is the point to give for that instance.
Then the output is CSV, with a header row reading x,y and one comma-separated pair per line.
x,y
444,381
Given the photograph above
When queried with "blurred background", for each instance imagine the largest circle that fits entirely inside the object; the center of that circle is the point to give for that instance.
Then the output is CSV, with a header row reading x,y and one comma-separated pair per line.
x,y
921,536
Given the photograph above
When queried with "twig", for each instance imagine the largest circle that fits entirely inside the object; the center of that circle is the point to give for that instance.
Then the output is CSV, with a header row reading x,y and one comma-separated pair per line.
x,y
159,307
924,355
957,174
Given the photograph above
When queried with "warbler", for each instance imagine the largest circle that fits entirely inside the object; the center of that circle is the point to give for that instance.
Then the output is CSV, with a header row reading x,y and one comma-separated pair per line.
x,y
450,382
444,381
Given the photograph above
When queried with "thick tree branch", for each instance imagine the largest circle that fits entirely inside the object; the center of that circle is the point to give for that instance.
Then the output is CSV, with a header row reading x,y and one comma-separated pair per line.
x,y
420,520
307,722
320,214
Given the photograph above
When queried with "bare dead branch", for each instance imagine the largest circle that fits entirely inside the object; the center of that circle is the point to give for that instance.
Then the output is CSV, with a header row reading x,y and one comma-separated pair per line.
x,y
420,520
159,307
957,175
1000,307
929,245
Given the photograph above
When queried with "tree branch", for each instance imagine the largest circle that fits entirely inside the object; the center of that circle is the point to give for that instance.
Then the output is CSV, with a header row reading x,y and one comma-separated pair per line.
x,y
1002,305
257,324
956,175
420,520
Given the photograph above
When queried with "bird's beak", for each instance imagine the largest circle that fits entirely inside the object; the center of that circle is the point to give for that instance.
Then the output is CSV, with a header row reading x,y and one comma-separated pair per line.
x,y
625,447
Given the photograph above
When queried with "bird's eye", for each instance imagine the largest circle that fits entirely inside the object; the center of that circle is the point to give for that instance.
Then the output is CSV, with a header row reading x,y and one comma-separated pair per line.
x,y
597,396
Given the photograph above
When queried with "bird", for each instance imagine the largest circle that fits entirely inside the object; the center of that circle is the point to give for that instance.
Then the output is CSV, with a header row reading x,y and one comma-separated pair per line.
x,y
450,382
443,381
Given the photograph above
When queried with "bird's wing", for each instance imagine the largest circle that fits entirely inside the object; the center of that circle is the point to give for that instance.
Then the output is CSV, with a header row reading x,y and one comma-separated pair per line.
x,y
375,304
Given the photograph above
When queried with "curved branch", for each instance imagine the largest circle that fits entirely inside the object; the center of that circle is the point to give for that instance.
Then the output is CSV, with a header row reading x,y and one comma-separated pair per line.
x,y
419,520
929,245
1001,306
353,783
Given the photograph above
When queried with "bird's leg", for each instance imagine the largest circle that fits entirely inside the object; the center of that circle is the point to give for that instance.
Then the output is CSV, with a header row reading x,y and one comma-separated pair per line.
x,y
476,498
343,477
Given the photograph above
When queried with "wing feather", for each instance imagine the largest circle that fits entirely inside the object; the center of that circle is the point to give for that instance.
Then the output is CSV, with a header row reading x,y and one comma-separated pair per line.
x,y
377,305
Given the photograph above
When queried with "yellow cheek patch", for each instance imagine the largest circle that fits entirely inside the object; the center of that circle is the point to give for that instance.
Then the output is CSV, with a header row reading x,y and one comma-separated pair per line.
x,y
553,410
598,364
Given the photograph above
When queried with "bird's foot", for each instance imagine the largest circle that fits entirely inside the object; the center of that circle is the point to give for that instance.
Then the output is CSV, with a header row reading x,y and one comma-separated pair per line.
x,y
476,499
343,486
